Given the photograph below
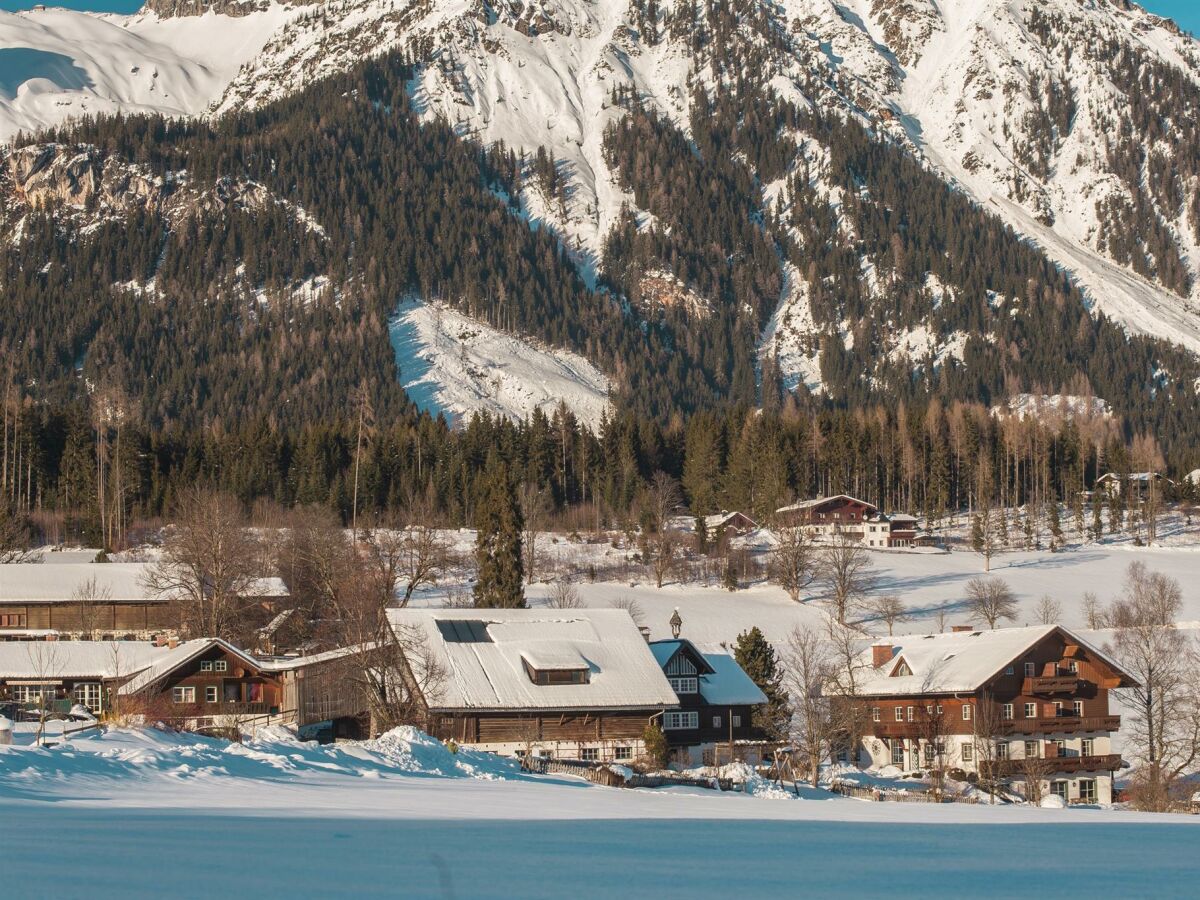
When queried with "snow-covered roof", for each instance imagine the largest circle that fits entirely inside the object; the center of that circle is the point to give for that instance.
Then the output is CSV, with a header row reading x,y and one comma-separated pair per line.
x,y
56,660
724,684
288,663
483,654
53,582
181,655
721,520
809,504
956,662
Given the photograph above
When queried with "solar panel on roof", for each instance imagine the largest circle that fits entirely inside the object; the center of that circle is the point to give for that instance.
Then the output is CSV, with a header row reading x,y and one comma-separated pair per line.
x,y
464,631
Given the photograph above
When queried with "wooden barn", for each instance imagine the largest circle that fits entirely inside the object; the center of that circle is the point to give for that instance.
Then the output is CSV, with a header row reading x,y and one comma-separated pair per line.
x,y
578,684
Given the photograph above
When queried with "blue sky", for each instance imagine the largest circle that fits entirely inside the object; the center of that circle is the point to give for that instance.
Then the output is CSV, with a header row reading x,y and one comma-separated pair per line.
x,y
1185,12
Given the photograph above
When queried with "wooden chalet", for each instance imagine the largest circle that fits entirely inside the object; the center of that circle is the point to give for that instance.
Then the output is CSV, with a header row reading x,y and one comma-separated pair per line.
x,y
1014,703
714,721
854,519
728,524
578,684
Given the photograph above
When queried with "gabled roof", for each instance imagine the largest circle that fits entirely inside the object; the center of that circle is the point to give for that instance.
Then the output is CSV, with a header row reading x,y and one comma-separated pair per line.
x,y
820,501
56,660
721,520
180,656
54,582
958,662
483,653
722,681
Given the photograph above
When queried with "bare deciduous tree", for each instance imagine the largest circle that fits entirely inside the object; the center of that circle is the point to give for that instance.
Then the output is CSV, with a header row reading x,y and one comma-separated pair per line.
x,y
45,663
846,572
793,564
889,609
631,606
563,595
849,717
990,600
14,535
416,555
659,502
1048,610
988,735
535,510
1095,614
809,665
209,566
88,597
1164,727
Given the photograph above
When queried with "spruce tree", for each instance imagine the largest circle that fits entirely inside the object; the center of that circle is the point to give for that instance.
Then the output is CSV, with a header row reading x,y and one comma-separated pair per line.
x,y
500,581
756,656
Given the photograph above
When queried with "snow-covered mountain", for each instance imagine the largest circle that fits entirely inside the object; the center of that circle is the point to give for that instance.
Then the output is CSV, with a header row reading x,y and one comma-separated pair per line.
x,y
1073,120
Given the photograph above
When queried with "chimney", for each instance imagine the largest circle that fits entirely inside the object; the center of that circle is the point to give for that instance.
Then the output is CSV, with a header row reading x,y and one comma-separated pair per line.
x,y
645,630
882,654
961,629
160,640
172,643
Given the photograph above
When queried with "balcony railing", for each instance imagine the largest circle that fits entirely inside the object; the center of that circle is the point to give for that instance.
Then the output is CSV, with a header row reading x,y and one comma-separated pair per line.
x,y
1052,765
1050,684
1062,724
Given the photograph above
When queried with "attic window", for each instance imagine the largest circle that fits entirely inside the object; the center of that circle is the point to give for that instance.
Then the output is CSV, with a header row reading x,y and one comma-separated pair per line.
x,y
901,670
464,631
556,676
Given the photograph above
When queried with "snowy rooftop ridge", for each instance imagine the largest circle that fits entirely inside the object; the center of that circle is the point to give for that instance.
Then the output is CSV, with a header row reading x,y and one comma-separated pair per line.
x,y
726,685
484,653
56,660
52,582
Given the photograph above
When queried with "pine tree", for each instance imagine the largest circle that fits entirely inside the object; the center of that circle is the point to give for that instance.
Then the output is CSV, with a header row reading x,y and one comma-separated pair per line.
x,y
500,580
757,658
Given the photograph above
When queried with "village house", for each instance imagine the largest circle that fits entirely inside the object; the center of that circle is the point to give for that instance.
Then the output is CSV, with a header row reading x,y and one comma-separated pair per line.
x,y
853,519
93,601
1017,704
728,524
1134,487
576,684
714,722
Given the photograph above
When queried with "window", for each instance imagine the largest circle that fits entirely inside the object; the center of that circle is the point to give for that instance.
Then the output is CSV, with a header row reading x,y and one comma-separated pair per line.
x,y
966,712
1030,670
1058,708
1077,707
183,695
929,710
1087,747
87,693
33,693
1031,710
911,712
1007,711
679,720
1059,788
899,713
1002,750
210,694
968,753
1087,790
206,665
1073,667
897,754
737,720
939,709
716,721
874,713
12,620
684,685
589,754
623,753
929,751
902,670
1032,749
220,665
1011,670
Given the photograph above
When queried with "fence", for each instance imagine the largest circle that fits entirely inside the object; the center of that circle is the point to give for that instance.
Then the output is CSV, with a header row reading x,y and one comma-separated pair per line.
x,y
880,795
598,773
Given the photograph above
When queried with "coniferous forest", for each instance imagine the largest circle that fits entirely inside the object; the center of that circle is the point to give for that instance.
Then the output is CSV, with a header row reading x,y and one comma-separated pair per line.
x,y
216,324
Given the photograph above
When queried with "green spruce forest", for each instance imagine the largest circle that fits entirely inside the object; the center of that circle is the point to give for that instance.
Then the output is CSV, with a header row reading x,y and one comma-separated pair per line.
x,y
151,347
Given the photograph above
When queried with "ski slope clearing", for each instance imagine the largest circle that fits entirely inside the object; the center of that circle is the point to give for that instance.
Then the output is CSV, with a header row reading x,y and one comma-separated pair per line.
x,y
453,364
56,63
399,816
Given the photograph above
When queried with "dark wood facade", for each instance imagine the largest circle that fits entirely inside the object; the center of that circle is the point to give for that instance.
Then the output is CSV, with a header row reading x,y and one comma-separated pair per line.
x,y
534,727
216,682
112,620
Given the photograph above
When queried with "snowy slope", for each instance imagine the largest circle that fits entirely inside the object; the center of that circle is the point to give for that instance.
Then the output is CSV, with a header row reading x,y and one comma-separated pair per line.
x,y
453,364
55,63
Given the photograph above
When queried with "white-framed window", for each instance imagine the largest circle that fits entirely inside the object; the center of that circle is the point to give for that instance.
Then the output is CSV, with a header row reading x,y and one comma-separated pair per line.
x,y
1033,749
206,665
929,751
737,720
1087,790
1060,788
939,709
912,713
874,713
183,695
623,753
210,694
968,752
1010,670
1073,667
1030,669
966,712
929,710
33,693
1002,750
897,754
1087,747
589,754
899,713
716,721
88,694
1007,711
1077,707
1031,710
220,665
684,684
1058,708
678,720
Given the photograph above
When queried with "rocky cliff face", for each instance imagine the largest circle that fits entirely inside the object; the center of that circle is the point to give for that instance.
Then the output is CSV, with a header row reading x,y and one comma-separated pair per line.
x,y
179,8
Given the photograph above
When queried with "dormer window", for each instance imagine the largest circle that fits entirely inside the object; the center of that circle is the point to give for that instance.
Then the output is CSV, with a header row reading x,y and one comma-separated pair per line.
x,y
684,684
557,676
901,670
556,667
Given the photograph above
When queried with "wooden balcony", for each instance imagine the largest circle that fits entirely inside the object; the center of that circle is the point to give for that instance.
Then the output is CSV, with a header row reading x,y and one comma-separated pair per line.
x,y
1050,684
895,729
1055,765
1062,724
